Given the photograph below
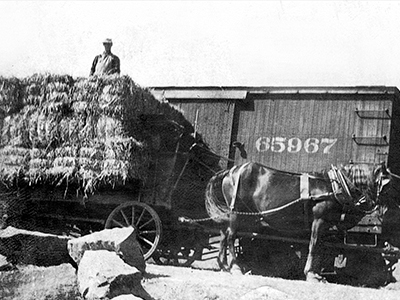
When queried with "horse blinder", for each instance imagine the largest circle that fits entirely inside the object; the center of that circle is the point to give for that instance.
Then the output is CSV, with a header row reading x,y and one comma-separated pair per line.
x,y
383,180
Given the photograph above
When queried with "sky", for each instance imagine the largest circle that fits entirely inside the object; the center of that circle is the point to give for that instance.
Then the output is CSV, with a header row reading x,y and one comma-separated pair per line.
x,y
208,43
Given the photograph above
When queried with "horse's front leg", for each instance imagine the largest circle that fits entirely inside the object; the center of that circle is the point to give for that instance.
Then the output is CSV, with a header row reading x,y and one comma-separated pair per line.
x,y
232,230
313,265
222,259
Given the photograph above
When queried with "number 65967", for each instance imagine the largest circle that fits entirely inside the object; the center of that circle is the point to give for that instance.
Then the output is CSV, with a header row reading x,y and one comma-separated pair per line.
x,y
294,144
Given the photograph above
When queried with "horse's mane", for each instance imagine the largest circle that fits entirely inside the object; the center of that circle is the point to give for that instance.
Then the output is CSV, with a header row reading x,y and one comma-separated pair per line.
x,y
362,178
361,175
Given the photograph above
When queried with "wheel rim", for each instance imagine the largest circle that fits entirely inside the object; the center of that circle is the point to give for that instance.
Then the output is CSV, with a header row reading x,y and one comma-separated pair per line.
x,y
141,217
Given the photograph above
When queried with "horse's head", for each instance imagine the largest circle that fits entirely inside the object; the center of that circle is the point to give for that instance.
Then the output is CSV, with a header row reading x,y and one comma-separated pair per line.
x,y
372,182
389,202
388,187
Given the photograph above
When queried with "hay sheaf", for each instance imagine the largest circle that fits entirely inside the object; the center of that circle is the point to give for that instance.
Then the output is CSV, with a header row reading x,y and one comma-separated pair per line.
x,y
10,95
58,130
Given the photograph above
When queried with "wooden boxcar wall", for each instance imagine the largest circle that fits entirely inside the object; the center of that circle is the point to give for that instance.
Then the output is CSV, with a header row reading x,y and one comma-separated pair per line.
x,y
300,129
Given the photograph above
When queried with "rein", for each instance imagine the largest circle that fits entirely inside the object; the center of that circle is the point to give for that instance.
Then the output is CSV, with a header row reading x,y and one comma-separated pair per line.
x,y
277,209
260,213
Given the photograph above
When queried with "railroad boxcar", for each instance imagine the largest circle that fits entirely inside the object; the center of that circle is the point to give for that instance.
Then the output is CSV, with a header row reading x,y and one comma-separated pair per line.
x,y
297,129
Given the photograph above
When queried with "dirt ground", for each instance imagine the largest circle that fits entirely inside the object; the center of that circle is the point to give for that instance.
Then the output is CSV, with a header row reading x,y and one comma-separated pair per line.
x,y
178,283
201,281
186,283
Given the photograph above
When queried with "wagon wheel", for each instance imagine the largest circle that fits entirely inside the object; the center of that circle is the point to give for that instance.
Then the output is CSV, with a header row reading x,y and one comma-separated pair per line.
x,y
183,257
141,217
181,247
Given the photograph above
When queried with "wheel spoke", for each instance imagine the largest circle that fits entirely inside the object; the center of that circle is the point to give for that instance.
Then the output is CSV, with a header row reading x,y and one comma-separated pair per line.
x,y
148,231
146,240
140,217
118,223
133,215
149,221
125,217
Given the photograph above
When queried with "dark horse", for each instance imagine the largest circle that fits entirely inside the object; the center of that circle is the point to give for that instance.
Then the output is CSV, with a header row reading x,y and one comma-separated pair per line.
x,y
253,196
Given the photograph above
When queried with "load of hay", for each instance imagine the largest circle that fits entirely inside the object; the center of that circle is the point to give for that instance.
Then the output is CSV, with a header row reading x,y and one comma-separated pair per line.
x,y
57,130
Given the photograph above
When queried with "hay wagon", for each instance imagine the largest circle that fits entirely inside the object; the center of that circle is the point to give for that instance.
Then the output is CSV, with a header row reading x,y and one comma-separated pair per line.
x,y
81,155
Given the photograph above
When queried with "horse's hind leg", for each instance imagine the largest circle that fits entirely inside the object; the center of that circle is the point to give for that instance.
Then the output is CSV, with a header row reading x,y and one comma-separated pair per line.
x,y
222,259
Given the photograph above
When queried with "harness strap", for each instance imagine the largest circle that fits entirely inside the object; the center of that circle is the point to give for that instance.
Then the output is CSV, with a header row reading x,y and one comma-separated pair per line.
x,y
304,186
305,195
235,184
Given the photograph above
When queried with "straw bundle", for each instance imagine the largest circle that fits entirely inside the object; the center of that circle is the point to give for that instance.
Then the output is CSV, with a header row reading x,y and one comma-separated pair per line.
x,y
51,91
12,162
14,131
85,131
63,165
90,166
37,164
10,95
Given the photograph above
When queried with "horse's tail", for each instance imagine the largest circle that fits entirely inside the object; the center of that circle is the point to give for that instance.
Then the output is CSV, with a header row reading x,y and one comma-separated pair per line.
x,y
216,205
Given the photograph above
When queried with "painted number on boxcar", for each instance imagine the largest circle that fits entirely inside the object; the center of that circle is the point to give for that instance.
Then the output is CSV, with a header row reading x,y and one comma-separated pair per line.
x,y
294,144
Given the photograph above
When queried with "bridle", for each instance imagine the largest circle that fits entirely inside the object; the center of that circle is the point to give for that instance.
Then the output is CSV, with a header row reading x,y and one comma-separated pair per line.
x,y
387,180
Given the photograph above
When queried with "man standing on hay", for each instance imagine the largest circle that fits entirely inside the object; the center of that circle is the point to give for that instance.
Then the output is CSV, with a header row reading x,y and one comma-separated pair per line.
x,y
105,63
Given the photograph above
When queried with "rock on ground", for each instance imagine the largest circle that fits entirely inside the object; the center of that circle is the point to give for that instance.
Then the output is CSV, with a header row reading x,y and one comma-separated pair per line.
x,y
30,247
103,273
120,240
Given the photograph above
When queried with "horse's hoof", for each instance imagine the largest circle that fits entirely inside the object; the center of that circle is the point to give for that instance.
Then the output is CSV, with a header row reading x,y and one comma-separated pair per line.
x,y
314,277
235,270
225,270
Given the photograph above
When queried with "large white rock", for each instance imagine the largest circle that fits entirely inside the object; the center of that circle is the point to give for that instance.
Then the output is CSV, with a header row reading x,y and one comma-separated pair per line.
x,y
126,297
103,274
120,240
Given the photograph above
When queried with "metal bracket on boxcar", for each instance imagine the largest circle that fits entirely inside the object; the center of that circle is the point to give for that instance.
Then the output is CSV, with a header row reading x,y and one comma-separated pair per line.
x,y
370,140
373,114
